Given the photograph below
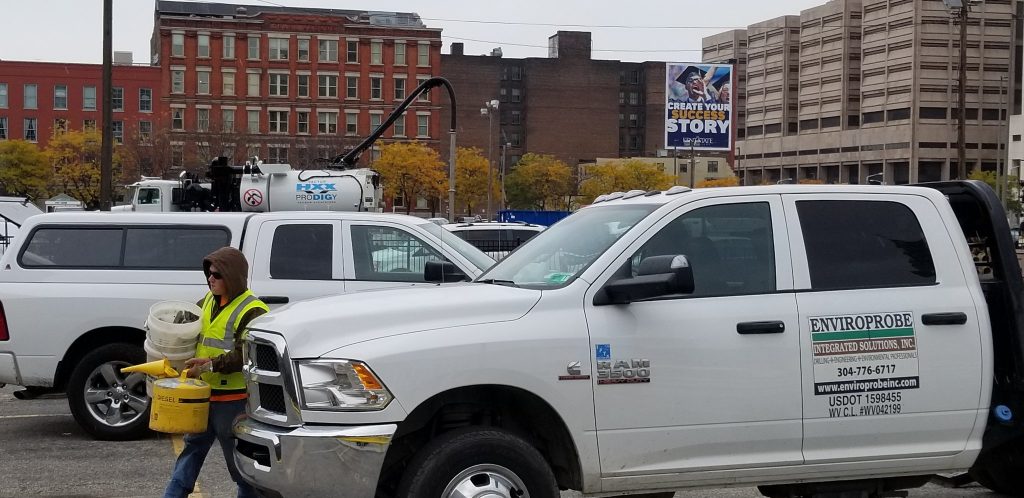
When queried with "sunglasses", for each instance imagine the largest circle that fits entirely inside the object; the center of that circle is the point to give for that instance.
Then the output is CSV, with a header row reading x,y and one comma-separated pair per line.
x,y
215,274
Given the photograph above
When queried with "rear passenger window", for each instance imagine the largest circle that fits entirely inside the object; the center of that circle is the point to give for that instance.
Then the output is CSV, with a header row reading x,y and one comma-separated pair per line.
x,y
390,254
73,247
858,244
302,252
171,248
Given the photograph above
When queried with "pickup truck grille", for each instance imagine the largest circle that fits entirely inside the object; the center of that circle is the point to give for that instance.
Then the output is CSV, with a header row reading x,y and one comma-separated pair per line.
x,y
272,398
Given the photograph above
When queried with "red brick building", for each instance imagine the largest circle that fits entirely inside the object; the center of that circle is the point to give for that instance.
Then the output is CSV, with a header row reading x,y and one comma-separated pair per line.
x,y
289,84
38,99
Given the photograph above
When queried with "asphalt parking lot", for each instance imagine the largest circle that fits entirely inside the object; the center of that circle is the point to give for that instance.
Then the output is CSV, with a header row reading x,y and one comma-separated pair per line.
x,y
43,452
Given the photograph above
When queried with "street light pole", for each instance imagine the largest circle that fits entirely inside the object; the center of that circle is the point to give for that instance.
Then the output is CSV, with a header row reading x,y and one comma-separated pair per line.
x,y
489,108
106,144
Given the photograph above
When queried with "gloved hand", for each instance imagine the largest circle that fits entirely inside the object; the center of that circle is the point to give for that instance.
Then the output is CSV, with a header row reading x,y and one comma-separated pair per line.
x,y
197,366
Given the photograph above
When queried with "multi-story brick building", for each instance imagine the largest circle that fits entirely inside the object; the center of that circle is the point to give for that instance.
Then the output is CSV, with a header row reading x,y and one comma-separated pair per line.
x,y
859,90
289,84
38,99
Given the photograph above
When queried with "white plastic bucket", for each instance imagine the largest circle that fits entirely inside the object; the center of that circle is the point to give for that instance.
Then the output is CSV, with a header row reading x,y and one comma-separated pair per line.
x,y
164,333
177,360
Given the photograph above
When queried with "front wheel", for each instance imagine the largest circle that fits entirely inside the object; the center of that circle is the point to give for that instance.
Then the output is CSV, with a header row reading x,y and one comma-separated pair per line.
x,y
108,404
478,462
1002,470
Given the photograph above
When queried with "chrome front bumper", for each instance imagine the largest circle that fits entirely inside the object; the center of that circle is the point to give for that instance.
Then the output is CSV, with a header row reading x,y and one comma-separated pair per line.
x,y
311,460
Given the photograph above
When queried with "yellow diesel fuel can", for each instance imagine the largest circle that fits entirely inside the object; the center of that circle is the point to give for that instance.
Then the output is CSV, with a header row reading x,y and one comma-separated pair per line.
x,y
179,406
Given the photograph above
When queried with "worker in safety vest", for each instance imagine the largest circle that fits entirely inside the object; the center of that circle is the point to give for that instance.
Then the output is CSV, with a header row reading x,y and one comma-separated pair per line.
x,y
227,310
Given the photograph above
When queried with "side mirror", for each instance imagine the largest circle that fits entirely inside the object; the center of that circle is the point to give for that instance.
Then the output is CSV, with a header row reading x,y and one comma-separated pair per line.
x,y
443,271
657,276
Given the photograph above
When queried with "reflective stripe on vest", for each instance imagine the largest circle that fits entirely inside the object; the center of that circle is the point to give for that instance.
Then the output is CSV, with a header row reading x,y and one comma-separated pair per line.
x,y
228,342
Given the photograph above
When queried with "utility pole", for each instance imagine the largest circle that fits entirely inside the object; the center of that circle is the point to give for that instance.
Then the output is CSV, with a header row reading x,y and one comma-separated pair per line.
x,y
693,165
1001,166
960,9
106,147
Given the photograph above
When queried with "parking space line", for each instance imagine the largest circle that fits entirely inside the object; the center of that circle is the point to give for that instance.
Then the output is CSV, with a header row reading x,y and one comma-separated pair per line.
x,y
10,417
178,441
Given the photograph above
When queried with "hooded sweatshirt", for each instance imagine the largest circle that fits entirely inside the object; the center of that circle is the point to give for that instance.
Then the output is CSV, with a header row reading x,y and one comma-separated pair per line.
x,y
231,264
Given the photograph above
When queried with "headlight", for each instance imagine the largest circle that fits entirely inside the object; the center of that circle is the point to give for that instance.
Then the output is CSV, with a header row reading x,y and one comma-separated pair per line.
x,y
342,385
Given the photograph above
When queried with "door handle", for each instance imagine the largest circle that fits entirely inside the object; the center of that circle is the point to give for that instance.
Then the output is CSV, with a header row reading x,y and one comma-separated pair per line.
x,y
956,318
274,299
769,327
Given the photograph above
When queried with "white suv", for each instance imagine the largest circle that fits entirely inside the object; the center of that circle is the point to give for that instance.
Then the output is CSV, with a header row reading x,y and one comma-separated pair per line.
x,y
496,239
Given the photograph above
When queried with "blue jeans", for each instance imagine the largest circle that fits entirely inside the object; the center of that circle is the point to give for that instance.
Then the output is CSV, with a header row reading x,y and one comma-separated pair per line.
x,y
190,461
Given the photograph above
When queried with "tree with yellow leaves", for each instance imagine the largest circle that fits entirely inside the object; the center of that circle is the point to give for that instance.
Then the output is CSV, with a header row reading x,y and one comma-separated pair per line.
x,y
539,181
728,181
623,176
411,170
471,180
75,157
24,169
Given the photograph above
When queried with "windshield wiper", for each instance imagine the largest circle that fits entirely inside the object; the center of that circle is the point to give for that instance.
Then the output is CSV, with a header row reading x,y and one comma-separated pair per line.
x,y
507,283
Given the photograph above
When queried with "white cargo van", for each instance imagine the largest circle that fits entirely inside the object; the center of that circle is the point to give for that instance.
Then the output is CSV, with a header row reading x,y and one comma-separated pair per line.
x,y
801,338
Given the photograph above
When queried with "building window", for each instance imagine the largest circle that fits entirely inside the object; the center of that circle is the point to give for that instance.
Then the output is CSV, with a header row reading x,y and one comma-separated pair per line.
x,y
399,88
873,117
178,45
204,46
376,87
328,51
60,97
177,81
422,125
278,122
399,52
352,87
831,122
302,53
227,120
145,131
303,85
514,139
89,125
375,120
932,112
228,47
177,156
254,84
254,46
634,98
352,51
117,129
399,126
30,129
146,99
117,98
203,82
253,124
633,120
178,119
3,95
423,54
328,86
3,128
376,52
622,97
351,123
1016,138
898,114
228,83
327,122
278,85
202,120
516,97
425,96
278,49
30,101
302,122
517,73
277,155
712,166
60,126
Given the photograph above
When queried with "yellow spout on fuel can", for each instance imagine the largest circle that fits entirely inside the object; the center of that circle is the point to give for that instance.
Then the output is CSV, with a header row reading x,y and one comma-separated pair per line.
x,y
179,406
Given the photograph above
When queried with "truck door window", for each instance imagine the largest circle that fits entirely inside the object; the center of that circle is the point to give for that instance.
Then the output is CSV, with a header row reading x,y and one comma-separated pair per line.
x,y
149,196
864,244
730,248
390,254
73,248
302,252
172,248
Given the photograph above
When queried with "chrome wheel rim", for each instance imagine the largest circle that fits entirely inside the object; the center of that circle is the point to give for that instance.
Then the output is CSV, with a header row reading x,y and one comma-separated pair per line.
x,y
115,399
486,481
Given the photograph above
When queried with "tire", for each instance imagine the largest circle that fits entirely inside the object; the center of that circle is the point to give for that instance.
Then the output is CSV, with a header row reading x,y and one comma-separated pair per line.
x,y
476,459
109,405
1002,471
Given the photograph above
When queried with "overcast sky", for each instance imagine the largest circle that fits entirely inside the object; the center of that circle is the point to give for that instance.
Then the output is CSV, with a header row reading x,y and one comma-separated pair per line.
x,y
628,30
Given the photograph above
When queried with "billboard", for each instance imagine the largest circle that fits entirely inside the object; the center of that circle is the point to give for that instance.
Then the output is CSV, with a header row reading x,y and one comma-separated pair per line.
x,y
698,106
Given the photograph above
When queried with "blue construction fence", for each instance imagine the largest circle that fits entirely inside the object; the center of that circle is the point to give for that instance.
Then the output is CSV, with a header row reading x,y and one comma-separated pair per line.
x,y
546,218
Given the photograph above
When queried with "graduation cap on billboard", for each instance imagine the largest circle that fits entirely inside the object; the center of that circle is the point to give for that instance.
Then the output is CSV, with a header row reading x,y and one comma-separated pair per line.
x,y
692,70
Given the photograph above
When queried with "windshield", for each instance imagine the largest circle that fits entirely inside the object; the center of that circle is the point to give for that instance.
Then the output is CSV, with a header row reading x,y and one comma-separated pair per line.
x,y
557,255
474,255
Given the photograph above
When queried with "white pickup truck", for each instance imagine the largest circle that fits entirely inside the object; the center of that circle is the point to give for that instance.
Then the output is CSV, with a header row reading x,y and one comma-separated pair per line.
x,y
75,288
805,339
